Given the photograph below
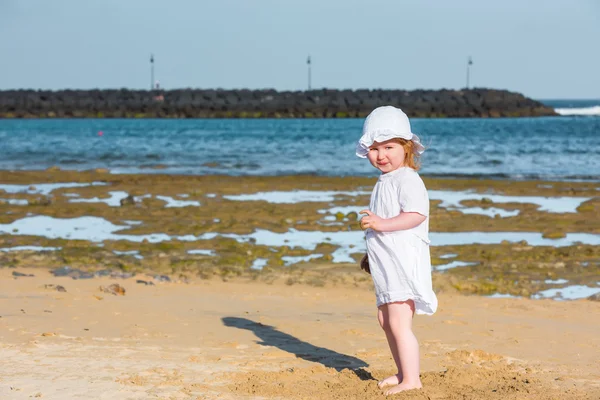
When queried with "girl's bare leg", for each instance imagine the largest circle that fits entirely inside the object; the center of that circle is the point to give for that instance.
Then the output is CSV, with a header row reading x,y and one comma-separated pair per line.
x,y
384,318
400,322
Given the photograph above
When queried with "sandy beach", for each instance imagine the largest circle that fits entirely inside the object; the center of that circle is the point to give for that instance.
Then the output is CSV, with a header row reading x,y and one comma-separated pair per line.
x,y
209,339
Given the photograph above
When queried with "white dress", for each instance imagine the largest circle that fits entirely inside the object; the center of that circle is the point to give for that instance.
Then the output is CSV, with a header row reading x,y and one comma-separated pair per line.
x,y
400,262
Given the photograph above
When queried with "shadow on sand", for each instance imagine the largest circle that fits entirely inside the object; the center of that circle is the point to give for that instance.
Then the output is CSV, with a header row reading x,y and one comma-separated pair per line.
x,y
272,337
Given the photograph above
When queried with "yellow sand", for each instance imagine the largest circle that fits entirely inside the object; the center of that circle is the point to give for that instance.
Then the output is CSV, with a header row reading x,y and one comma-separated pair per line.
x,y
232,340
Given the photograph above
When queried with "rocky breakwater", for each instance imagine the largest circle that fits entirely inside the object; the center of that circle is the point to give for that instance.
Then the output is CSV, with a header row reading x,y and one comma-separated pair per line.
x,y
322,103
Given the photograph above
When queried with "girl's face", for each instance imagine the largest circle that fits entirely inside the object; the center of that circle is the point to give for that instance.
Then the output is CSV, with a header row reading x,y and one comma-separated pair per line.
x,y
387,156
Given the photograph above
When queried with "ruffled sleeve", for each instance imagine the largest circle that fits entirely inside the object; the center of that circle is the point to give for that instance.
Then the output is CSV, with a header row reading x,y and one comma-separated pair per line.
x,y
413,195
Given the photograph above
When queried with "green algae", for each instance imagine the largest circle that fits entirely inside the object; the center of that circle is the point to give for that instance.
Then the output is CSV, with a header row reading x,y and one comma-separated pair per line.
x,y
517,269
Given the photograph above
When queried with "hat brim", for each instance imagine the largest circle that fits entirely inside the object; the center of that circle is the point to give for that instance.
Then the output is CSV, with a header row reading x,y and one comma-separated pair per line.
x,y
363,145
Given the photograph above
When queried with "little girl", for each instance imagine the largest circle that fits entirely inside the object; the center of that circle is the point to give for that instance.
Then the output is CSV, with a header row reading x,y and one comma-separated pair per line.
x,y
397,236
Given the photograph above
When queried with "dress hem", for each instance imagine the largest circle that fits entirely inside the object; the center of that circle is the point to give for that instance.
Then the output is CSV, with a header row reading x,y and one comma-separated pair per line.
x,y
422,307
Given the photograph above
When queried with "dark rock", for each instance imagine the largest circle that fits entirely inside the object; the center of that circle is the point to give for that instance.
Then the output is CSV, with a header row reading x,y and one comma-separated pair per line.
x,y
128,201
83,275
328,103
147,283
113,273
162,278
19,274
122,275
73,273
594,297
62,271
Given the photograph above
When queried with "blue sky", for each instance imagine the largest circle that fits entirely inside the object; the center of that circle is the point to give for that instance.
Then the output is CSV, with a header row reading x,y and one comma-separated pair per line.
x,y
541,48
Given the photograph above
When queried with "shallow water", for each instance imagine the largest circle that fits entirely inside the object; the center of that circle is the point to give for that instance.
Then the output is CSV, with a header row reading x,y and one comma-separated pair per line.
x,y
453,264
44,188
573,292
29,248
97,229
449,199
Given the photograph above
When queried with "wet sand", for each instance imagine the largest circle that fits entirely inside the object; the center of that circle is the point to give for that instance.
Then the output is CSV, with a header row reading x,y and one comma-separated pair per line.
x,y
209,339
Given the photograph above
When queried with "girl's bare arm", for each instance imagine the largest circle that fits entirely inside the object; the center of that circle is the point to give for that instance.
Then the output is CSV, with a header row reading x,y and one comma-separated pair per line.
x,y
404,220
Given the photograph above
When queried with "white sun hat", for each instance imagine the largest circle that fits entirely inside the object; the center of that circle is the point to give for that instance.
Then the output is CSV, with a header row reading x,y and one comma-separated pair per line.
x,y
385,123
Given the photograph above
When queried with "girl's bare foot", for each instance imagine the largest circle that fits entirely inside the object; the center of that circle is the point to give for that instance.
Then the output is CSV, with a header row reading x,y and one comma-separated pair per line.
x,y
390,381
403,387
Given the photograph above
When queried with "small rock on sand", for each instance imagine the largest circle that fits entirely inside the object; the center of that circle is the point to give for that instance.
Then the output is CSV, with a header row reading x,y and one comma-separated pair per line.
x,y
594,297
52,286
19,274
115,289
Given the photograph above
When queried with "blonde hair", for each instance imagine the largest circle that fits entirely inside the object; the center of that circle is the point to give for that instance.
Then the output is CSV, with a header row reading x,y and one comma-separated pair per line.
x,y
412,159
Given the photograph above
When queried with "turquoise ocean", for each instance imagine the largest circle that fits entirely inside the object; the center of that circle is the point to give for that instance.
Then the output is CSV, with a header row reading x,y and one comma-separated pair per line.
x,y
565,147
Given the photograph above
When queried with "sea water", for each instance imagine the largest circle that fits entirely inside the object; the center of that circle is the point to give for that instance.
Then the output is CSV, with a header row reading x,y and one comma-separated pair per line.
x,y
566,147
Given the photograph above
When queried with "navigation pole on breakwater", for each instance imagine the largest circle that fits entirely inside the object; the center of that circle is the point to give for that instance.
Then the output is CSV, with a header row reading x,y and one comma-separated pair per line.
x,y
309,77
469,63
151,71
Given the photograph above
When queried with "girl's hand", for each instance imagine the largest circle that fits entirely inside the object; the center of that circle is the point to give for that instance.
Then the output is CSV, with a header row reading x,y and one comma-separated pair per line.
x,y
371,221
